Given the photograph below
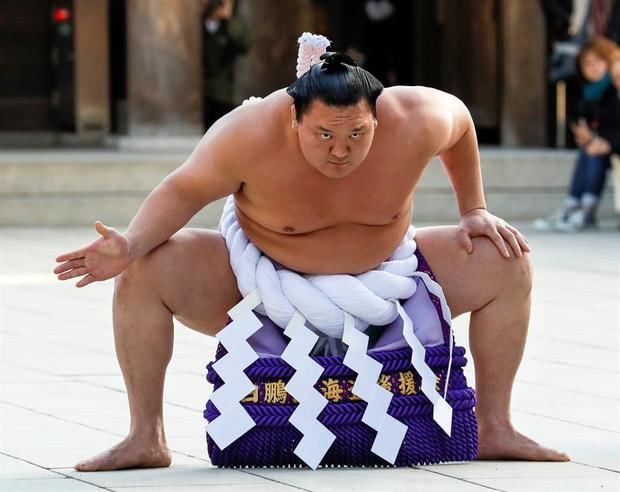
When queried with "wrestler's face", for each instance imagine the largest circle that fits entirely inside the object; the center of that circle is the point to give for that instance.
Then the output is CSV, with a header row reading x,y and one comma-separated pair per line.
x,y
335,140
593,66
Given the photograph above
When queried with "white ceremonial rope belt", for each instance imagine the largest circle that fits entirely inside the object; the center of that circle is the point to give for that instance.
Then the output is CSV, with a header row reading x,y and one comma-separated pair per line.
x,y
339,306
322,299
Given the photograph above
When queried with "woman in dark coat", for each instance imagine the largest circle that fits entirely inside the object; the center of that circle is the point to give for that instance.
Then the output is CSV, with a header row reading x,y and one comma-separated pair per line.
x,y
609,137
608,140
593,126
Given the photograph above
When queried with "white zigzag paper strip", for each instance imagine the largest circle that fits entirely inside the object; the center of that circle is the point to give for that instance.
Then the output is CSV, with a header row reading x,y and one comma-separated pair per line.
x,y
434,288
317,438
390,432
442,411
234,421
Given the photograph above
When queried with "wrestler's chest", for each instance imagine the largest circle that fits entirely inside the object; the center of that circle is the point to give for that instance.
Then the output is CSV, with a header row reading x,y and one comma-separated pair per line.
x,y
376,196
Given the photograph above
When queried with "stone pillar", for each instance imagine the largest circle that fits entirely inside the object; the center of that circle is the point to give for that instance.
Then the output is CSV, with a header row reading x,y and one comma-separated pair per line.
x,y
163,68
275,27
523,98
92,87
470,57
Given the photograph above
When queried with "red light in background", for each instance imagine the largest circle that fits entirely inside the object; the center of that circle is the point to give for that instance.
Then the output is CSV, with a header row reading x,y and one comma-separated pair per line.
x,y
61,15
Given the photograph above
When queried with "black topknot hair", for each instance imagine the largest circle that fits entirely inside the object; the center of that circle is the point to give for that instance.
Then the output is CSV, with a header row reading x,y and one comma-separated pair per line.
x,y
337,81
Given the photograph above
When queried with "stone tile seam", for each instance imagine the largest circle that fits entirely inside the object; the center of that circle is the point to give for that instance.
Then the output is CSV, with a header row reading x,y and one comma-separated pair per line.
x,y
105,431
566,390
566,421
256,474
570,364
617,472
553,302
570,342
178,405
82,348
52,416
52,470
118,390
102,386
460,479
72,379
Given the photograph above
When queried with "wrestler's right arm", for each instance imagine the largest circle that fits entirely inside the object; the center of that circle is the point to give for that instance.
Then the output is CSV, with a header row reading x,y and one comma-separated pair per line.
x,y
209,173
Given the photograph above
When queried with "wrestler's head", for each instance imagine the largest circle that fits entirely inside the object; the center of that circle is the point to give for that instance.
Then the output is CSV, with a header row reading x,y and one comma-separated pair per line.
x,y
334,114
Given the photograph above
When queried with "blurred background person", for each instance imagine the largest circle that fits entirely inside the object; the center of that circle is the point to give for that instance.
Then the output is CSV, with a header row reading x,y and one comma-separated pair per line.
x,y
380,40
594,119
614,133
570,24
373,34
225,37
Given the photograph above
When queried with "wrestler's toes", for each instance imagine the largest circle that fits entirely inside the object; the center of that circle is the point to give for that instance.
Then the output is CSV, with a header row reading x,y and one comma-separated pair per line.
x,y
558,456
127,454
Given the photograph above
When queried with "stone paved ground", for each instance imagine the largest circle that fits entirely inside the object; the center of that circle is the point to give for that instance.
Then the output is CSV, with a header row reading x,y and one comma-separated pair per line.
x,y
62,396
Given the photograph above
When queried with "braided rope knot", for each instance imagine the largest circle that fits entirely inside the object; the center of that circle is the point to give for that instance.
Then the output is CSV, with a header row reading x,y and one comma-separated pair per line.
x,y
321,299
311,47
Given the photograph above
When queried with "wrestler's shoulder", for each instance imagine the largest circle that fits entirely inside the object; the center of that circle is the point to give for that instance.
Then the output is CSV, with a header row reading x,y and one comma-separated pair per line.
x,y
421,99
428,112
263,110
253,122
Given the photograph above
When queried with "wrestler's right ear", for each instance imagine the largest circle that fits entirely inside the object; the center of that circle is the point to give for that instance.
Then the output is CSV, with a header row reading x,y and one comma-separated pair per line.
x,y
294,122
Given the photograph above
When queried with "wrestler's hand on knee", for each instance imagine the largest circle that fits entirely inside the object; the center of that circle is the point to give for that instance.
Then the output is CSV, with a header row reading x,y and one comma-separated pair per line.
x,y
101,260
480,222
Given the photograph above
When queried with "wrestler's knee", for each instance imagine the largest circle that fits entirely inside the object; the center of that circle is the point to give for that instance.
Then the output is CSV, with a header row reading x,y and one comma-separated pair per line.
x,y
522,270
132,276
515,273
142,271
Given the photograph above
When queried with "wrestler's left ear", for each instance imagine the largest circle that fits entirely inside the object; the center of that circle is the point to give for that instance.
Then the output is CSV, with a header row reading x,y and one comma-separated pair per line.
x,y
294,122
375,122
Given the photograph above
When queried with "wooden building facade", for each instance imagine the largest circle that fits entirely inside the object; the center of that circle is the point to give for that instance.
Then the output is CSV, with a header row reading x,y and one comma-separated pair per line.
x,y
132,67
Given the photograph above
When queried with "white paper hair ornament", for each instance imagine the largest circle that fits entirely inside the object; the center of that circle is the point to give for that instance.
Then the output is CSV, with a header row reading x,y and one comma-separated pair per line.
x,y
311,47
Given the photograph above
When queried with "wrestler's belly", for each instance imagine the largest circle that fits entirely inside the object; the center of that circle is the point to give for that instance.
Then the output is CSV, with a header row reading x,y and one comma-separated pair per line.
x,y
342,248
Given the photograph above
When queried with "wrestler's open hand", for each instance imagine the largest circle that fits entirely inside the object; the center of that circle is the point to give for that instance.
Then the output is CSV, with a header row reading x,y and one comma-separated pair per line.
x,y
480,222
103,259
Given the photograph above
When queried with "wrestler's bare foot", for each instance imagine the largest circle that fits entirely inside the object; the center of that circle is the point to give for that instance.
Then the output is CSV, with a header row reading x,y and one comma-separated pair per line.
x,y
132,452
503,442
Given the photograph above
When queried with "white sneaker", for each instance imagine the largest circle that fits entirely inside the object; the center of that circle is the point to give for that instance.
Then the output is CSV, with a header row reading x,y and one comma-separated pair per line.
x,y
568,226
545,224
576,221
553,221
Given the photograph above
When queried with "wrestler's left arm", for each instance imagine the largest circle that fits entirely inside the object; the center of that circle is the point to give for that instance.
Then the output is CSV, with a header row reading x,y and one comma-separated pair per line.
x,y
461,158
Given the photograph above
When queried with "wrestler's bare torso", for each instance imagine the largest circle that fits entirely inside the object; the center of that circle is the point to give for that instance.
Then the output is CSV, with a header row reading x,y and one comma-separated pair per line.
x,y
313,223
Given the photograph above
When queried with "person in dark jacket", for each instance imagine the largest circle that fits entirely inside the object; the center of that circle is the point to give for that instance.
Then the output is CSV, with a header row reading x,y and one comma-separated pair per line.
x,y
224,38
613,134
608,140
593,120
